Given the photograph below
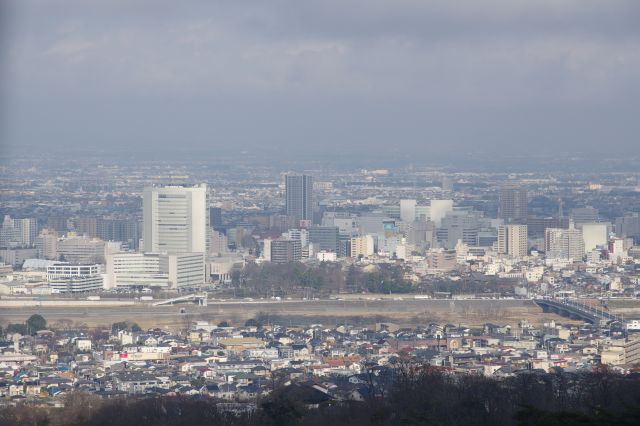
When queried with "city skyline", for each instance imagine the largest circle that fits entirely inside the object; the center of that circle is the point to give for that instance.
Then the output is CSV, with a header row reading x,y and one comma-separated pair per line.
x,y
424,78
414,266
304,213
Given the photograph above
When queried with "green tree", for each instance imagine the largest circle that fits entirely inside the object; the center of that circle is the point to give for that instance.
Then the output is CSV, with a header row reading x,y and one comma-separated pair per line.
x,y
235,277
252,322
352,279
36,323
223,324
125,325
117,326
17,328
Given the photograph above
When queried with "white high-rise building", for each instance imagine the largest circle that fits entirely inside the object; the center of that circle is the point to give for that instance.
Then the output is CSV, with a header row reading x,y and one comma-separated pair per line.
x,y
408,210
175,219
439,209
594,234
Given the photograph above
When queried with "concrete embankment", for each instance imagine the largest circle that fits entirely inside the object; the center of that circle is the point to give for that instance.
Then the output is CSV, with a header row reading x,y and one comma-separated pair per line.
x,y
409,312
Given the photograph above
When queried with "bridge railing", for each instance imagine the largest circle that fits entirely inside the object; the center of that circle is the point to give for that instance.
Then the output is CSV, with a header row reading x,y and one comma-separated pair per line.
x,y
596,312
194,297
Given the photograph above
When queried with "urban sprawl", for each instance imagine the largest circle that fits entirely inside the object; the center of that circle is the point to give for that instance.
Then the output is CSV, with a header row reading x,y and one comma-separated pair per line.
x,y
188,241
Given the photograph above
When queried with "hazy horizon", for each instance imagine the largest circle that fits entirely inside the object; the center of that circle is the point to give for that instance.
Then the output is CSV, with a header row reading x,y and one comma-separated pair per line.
x,y
361,78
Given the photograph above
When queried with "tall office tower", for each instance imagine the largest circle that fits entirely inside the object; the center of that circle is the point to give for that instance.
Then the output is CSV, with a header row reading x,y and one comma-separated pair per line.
x,y
175,219
215,217
512,240
564,243
513,204
407,210
299,197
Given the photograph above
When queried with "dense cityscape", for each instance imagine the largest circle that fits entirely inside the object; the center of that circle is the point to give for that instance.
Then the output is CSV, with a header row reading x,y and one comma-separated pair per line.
x,y
167,279
311,213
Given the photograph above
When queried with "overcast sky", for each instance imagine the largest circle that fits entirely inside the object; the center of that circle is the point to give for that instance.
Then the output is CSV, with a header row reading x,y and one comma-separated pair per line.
x,y
335,76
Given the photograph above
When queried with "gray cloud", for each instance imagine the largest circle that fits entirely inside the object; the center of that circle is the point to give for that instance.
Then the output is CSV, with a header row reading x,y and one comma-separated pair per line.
x,y
416,75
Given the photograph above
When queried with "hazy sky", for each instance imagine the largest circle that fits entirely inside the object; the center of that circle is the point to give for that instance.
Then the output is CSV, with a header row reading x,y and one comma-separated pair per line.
x,y
335,76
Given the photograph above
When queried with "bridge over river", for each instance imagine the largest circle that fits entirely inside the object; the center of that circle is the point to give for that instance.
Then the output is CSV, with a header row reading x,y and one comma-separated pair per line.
x,y
578,310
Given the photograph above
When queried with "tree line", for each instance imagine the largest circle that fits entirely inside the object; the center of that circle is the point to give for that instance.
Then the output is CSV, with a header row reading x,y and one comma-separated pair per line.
x,y
270,279
417,395
31,326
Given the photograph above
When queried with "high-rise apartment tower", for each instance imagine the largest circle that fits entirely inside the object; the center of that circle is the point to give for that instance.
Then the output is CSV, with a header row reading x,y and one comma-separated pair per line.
x,y
512,240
